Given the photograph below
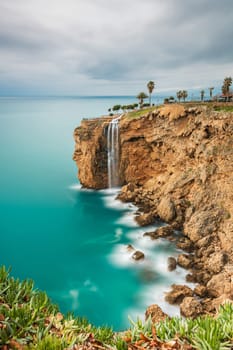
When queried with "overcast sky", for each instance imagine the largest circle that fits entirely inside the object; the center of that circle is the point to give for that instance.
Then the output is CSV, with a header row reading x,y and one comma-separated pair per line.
x,y
113,47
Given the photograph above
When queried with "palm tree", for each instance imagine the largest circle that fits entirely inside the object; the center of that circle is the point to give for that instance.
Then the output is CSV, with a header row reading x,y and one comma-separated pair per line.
x,y
184,94
211,92
202,92
226,86
141,96
179,95
150,87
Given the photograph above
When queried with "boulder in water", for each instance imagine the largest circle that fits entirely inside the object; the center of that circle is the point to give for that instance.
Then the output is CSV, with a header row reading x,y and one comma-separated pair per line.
x,y
145,219
178,293
171,262
138,255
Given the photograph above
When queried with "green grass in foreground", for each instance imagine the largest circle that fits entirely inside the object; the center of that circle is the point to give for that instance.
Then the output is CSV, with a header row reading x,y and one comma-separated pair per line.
x,y
28,320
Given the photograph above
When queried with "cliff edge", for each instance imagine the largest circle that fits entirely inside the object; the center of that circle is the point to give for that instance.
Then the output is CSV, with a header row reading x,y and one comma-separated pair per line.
x,y
176,163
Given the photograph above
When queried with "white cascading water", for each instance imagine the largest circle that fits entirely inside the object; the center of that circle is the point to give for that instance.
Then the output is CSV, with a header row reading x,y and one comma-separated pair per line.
x,y
113,152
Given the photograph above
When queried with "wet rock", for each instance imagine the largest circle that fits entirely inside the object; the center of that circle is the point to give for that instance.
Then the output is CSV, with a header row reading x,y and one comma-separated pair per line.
x,y
145,219
147,275
216,262
138,255
171,263
185,244
156,313
200,291
152,235
190,307
130,248
163,231
185,261
190,278
166,209
178,293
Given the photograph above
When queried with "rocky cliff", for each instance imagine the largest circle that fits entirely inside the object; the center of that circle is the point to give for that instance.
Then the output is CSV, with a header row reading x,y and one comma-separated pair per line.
x,y
176,163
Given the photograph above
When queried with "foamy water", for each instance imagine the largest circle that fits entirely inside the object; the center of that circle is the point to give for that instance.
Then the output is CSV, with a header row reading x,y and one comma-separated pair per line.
x,y
153,269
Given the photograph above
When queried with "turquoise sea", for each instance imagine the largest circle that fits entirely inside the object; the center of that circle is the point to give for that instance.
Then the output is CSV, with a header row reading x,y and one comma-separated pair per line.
x,y
70,241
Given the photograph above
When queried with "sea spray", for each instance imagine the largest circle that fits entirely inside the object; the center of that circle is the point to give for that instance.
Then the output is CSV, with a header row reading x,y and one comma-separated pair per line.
x,y
113,152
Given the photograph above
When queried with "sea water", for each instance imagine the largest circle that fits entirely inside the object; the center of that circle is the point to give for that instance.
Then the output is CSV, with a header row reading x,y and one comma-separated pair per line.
x,y
72,242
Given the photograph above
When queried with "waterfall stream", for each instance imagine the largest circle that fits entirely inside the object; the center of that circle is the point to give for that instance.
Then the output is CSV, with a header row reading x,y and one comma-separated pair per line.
x,y
113,152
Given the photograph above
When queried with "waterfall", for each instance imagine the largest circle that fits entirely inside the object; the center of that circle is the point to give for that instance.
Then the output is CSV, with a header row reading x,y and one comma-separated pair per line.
x,y
113,152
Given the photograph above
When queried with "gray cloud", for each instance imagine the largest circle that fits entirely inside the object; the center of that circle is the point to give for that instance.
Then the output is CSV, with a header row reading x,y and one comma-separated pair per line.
x,y
88,45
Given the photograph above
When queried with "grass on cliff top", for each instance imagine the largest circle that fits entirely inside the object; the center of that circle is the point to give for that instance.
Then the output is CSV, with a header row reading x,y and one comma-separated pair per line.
x,y
224,108
210,105
140,112
29,321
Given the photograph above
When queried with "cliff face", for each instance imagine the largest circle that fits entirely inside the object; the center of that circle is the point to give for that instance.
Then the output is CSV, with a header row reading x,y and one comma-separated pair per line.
x,y
177,163
91,152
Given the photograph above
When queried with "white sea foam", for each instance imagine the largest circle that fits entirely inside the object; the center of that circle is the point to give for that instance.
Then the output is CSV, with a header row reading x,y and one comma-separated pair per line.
x,y
79,187
90,286
120,256
127,220
154,269
74,294
110,201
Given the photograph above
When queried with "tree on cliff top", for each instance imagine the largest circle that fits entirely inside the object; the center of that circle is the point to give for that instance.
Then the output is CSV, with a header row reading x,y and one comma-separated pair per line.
x,y
150,87
211,92
202,92
141,96
116,108
179,95
226,86
184,94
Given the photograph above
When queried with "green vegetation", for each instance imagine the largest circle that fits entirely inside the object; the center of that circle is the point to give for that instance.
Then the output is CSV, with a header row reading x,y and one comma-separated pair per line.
x,y
141,96
182,94
204,333
226,87
29,321
211,92
224,108
140,112
202,92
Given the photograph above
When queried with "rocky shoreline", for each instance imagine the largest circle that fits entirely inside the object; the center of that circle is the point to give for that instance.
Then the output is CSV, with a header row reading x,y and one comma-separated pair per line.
x,y
176,164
